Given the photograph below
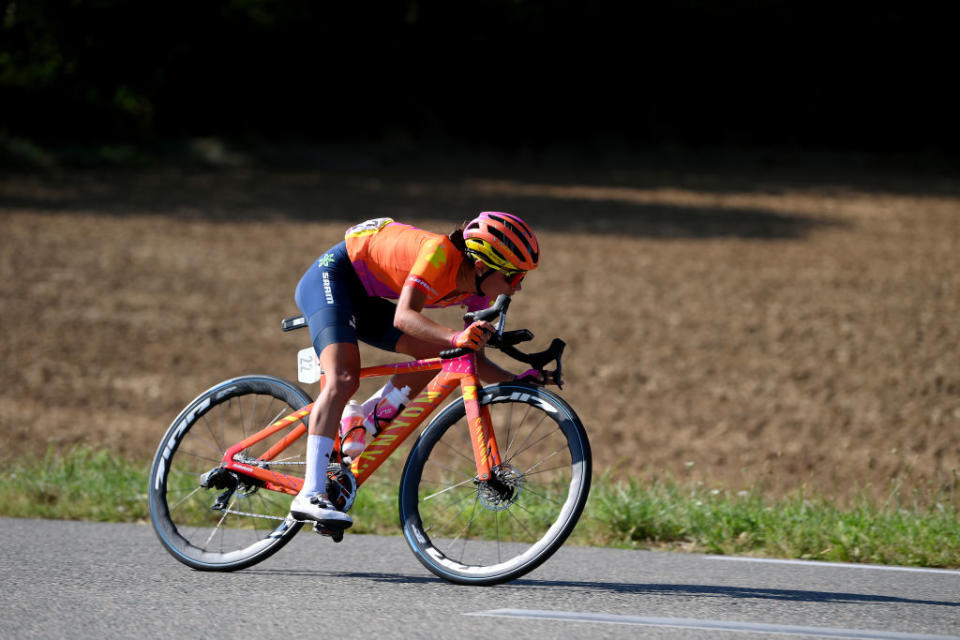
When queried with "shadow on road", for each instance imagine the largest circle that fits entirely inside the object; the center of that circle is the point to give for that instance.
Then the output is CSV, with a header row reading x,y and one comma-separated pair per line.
x,y
691,590
709,591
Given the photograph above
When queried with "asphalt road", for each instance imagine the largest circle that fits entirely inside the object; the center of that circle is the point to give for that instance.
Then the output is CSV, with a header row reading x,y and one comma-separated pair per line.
x,y
91,580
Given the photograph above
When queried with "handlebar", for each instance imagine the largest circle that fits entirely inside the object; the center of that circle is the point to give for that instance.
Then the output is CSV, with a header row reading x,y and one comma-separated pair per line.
x,y
505,341
498,308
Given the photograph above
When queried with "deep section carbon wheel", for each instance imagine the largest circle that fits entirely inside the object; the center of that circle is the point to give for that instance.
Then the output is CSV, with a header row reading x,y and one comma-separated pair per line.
x,y
210,518
485,532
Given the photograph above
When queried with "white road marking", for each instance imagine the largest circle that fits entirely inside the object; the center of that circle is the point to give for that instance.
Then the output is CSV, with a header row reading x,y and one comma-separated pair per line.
x,y
707,625
844,565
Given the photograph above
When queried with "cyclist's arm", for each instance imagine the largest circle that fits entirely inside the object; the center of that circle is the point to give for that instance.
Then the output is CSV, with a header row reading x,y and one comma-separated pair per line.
x,y
491,372
410,319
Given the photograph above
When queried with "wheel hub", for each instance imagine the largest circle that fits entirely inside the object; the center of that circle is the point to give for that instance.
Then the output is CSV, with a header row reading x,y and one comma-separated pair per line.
x,y
501,490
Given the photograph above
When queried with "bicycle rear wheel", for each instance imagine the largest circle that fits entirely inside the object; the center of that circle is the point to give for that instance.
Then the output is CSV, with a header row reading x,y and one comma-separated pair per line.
x,y
225,521
482,533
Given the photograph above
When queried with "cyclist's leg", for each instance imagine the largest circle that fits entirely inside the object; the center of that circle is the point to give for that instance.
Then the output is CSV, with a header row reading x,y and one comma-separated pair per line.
x,y
375,327
325,296
340,363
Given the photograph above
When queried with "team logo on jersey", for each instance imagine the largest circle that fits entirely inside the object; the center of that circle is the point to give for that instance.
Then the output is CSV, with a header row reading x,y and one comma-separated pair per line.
x,y
327,260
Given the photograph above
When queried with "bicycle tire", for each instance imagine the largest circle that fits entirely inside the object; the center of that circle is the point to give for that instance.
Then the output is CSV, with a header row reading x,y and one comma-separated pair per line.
x,y
462,529
180,508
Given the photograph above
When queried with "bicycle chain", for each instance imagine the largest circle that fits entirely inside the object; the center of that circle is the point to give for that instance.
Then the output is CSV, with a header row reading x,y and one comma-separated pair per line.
x,y
253,515
261,515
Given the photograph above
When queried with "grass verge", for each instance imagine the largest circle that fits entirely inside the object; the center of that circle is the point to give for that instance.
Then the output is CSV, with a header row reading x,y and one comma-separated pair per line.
x,y
920,530
659,514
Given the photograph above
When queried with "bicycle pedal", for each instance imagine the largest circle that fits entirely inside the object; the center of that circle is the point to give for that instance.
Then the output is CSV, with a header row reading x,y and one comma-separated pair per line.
x,y
336,533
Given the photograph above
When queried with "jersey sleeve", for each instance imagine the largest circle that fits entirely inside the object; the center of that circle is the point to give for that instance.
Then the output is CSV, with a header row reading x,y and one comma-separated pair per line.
x,y
431,269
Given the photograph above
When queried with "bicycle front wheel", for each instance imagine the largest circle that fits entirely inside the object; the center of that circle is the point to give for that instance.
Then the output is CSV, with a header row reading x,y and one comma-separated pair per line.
x,y
478,532
212,519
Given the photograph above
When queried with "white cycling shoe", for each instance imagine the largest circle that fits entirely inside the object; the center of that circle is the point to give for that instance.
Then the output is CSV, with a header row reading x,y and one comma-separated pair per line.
x,y
317,508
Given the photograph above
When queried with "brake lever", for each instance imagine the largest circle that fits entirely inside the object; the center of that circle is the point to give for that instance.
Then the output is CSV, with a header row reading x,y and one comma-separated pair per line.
x,y
540,359
558,372
558,346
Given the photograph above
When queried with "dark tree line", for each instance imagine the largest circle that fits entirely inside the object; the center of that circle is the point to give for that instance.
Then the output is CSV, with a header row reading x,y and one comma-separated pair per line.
x,y
873,76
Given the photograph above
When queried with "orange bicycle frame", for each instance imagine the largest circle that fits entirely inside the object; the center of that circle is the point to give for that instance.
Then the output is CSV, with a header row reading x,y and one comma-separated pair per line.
x,y
462,369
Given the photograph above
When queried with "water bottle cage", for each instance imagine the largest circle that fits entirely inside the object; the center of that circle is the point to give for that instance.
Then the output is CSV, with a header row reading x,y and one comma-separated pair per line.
x,y
379,423
352,429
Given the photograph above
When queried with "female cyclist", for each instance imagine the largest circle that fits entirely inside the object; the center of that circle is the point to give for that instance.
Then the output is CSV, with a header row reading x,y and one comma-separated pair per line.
x,y
344,297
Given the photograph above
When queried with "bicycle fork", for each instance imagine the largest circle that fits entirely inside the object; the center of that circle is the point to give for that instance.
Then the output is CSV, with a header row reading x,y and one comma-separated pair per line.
x,y
482,438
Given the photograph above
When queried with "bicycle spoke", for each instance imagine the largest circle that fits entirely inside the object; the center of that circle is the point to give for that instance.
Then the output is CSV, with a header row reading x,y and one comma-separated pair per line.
x,y
200,457
457,451
520,522
212,442
527,447
185,498
509,424
450,488
541,461
543,496
219,524
524,445
453,474
241,422
497,521
276,416
451,518
466,529
452,501
253,419
562,466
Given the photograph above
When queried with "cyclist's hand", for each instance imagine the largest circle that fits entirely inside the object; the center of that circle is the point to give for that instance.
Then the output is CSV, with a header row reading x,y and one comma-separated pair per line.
x,y
538,378
473,337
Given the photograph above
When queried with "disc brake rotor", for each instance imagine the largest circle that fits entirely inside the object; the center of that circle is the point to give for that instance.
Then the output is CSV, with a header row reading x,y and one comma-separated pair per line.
x,y
501,490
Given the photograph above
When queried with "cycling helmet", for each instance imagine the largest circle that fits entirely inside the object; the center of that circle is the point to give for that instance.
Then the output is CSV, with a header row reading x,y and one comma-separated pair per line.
x,y
502,241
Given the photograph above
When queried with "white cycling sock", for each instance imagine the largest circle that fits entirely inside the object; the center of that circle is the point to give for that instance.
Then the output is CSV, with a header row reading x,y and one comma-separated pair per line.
x,y
319,449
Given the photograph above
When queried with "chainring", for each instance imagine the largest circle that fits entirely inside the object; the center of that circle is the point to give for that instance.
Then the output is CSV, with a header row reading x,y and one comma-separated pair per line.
x,y
341,486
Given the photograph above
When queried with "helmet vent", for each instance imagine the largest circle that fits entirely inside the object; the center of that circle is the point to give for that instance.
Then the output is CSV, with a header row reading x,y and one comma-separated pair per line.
x,y
522,232
508,242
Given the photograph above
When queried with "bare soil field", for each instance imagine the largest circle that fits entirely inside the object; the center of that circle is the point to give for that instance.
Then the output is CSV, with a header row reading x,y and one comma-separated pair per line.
x,y
743,328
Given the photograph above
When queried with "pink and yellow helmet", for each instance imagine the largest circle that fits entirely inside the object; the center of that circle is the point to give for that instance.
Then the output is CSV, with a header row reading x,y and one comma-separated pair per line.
x,y
502,241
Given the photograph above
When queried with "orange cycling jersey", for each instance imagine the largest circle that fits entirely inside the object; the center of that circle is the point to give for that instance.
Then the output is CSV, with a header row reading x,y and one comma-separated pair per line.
x,y
388,255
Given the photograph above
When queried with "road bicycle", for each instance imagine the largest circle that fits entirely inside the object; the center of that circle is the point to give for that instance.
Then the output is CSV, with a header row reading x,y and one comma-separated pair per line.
x,y
491,488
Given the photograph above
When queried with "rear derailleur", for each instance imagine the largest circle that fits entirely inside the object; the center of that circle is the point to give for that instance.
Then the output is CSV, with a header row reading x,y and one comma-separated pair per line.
x,y
220,478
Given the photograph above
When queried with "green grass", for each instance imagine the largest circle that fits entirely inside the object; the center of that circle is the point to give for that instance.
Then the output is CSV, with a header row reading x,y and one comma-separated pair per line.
x,y
83,485
922,530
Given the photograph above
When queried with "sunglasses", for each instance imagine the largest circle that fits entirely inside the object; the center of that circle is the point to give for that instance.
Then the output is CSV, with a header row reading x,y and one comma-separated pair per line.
x,y
513,278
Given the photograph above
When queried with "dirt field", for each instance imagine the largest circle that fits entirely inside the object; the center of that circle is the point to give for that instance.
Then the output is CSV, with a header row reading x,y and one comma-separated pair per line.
x,y
743,328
